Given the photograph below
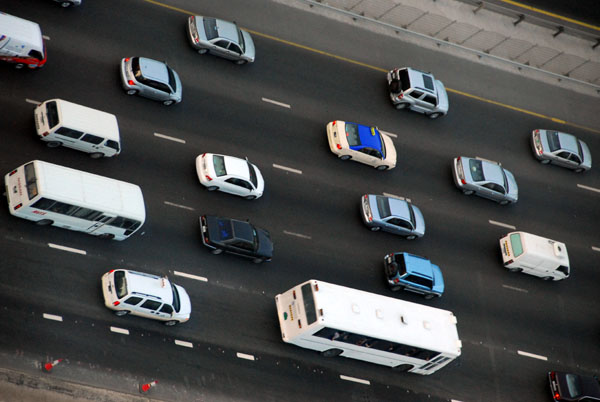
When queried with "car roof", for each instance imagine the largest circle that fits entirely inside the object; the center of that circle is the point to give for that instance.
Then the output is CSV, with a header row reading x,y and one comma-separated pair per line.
x,y
227,30
148,284
422,80
419,265
236,166
492,172
155,70
369,137
568,142
399,208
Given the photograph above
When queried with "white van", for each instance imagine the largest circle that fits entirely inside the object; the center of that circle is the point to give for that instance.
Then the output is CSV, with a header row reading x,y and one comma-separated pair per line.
x,y
21,42
59,122
535,255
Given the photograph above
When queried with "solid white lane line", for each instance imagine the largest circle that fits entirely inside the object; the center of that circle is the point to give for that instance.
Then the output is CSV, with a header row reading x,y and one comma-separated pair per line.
x,y
595,248
166,137
34,102
46,37
287,168
504,225
297,235
244,356
52,317
178,205
285,105
65,248
514,288
532,355
397,196
184,343
589,188
190,276
358,380
120,330
390,134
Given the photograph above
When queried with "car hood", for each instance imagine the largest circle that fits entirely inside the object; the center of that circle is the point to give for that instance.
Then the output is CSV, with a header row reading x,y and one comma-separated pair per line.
x,y
265,244
587,156
249,50
513,189
185,308
419,221
443,104
438,279
260,182
390,149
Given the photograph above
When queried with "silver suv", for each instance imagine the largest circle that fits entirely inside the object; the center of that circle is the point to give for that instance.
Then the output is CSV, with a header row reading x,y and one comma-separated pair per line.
x,y
151,79
418,91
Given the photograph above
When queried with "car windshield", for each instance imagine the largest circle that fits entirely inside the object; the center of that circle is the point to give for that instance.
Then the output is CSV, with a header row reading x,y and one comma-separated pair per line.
x,y
219,164
172,80
225,229
517,246
352,134
505,180
176,301
399,259
382,142
31,180
476,169
383,206
241,40
553,141
573,385
137,71
210,28
253,178
52,113
120,284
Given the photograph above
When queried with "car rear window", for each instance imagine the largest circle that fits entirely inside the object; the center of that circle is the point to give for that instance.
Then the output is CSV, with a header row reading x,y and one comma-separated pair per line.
x,y
476,169
517,246
120,284
553,141
573,385
52,113
219,164
210,28
383,206
404,80
352,134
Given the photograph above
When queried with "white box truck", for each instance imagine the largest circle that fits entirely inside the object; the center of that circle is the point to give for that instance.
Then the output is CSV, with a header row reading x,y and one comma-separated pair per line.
x,y
535,255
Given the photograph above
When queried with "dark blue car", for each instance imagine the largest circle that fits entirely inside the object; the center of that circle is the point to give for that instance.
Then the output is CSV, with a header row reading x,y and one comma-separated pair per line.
x,y
413,273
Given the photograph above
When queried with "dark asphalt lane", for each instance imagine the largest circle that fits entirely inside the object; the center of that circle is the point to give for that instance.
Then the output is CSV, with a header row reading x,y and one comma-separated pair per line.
x,y
222,111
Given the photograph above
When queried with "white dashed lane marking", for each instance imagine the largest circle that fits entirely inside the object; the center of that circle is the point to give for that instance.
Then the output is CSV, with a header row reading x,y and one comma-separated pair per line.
x,y
34,102
166,137
172,204
289,169
274,102
244,356
516,289
120,330
297,235
52,317
354,379
46,37
589,188
532,355
65,248
184,343
190,276
504,225
595,248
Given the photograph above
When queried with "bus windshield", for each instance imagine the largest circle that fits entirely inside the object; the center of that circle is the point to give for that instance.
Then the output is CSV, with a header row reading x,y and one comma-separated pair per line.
x,y
30,179
517,246
309,304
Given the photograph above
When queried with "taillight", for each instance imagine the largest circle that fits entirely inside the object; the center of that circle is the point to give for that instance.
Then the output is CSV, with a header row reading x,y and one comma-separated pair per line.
x,y
509,262
335,121
294,294
116,303
299,324
317,287
13,172
130,82
400,95
126,59
203,154
18,206
206,240
463,181
339,146
45,134
208,177
396,280
111,271
458,159
370,219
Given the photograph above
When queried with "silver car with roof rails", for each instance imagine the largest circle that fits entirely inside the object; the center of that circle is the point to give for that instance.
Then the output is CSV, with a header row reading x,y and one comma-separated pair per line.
x,y
222,38
151,79
418,91
485,178
562,149
391,214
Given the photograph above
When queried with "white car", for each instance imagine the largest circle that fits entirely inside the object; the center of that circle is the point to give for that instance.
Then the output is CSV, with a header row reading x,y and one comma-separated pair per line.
x,y
230,174
145,295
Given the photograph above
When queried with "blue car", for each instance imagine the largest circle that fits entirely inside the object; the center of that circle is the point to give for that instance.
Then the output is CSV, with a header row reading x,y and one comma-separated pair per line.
x,y
415,274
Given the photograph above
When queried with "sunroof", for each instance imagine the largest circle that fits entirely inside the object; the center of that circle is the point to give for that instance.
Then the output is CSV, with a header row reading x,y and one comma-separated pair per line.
x,y
428,82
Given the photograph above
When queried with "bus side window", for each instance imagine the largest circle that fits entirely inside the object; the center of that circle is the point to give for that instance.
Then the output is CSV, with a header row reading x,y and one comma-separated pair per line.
x,y
43,203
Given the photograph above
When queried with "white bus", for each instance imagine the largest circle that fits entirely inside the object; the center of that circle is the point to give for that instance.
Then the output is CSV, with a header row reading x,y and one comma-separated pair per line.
x,y
68,198
339,321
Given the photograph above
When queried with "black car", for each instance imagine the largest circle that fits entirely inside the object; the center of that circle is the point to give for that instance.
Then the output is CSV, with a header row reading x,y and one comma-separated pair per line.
x,y
573,387
236,237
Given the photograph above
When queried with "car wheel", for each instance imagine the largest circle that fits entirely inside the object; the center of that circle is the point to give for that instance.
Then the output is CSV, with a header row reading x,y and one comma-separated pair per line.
x,y
54,144
331,352
250,197
515,269
545,161
403,367
434,115
401,106
107,236
170,323
168,102
96,155
65,4
503,202
44,222
345,157
257,260
375,228
240,62
121,313
395,288
382,167
19,66
468,192
132,91
212,188
217,251
429,297
411,237
579,170
202,51
547,278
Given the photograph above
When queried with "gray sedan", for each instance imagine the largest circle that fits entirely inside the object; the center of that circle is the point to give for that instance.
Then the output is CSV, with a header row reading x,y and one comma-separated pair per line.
x,y
222,38
393,215
151,79
486,179
561,149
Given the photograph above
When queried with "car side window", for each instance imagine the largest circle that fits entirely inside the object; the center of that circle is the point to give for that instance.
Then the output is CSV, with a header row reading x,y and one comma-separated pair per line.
x,y
92,139
429,99
416,94
400,222
167,309
494,187
158,85
575,158
151,304
222,43
133,300
243,245
68,132
235,48
239,182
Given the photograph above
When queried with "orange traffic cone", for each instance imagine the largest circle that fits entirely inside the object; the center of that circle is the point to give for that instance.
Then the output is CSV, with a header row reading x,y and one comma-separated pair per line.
x,y
48,366
146,387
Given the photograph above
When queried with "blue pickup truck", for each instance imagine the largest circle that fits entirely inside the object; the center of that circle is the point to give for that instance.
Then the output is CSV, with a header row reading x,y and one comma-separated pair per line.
x,y
413,273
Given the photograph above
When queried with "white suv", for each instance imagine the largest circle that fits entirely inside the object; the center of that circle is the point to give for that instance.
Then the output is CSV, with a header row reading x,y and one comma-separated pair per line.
x,y
145,295
418,91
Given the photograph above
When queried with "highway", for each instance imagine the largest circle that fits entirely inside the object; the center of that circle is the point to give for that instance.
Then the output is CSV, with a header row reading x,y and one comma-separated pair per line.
x,y
514,328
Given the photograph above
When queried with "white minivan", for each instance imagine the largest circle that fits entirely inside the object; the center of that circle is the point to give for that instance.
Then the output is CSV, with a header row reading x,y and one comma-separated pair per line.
x,y
535,255
21,42
59,122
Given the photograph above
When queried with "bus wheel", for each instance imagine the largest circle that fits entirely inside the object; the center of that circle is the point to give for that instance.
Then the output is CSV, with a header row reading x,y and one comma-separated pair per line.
x,y
121,313
96,155
108,236
403,367
547,278
332,352
54,144
515,269
44,222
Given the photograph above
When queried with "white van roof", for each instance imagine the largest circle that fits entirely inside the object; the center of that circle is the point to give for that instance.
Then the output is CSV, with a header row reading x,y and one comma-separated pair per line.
x,y
88,120
21,29
545,248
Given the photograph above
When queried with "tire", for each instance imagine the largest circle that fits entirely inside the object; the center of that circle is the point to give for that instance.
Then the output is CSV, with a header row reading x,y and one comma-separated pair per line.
x,y
503,202
468,192
579,170
375,228
434,115
212,188
44,222
65,4
411,237
217,251
250,197
96,155
19,66
241,62
395,288
403,367
547,278
545,161
53,144
331,352
121,313
168,102
257,260
515,269
202,51
401,106
429,297
382,167
171,323
107,236
345,157
132,91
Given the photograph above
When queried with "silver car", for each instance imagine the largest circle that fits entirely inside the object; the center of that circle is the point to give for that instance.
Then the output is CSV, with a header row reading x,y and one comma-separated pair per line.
x,y
486,179
393,215
418,91
561,149
151,79
222,38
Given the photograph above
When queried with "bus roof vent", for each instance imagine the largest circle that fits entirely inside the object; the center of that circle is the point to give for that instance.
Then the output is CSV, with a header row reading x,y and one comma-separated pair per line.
x,y
559,249
379,313
355,308
426,325
403,320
